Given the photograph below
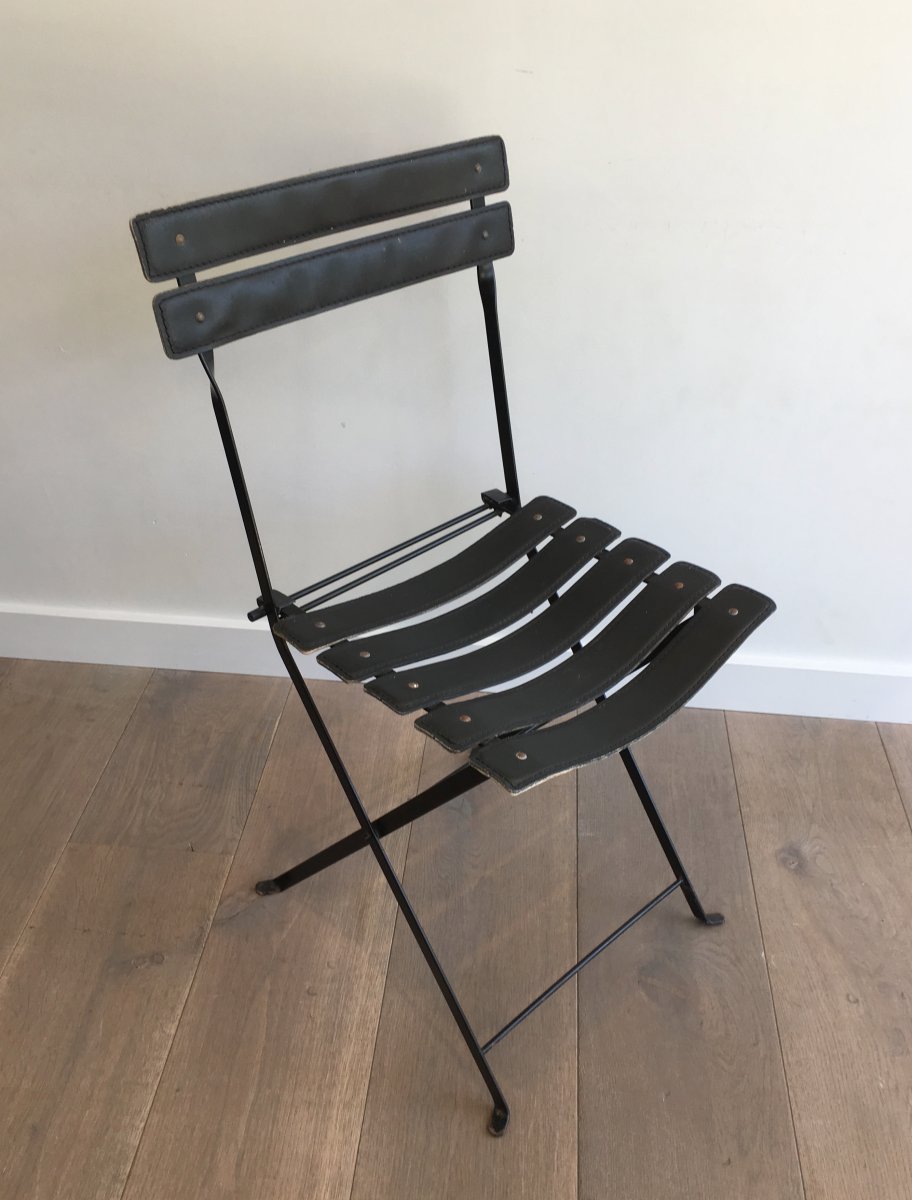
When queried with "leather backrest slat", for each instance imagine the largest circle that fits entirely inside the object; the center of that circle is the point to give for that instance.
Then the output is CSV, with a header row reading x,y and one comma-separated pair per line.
x,y
205,315
209,233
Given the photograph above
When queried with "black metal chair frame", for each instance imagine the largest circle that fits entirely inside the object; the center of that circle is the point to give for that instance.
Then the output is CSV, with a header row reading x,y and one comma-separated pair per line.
x,y
199,316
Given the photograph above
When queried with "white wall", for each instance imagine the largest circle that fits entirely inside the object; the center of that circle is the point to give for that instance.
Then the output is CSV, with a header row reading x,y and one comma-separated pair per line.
x,y
707,322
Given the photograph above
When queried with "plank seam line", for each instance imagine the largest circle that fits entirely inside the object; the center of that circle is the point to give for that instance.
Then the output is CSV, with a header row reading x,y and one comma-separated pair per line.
x,y
189,992
389,955
94,788
766,964
899,790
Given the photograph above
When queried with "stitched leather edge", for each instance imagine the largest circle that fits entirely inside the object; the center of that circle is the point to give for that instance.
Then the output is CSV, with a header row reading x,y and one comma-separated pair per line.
x,y
570,569
139,222
654,721
162,299
611,600
584,695
563,513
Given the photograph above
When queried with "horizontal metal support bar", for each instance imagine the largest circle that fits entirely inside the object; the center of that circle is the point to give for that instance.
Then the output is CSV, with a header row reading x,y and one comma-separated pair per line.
x,y
462,780
568,975
396,562
256,613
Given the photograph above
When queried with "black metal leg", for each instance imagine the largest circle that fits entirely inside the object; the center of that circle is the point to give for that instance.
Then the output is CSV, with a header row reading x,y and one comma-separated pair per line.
x,y
462,780
501,1112
666,843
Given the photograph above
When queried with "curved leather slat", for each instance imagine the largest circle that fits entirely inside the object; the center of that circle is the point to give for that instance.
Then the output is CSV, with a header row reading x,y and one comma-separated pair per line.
x,y
537,642
484,559
676,674
203,316
220,229
619,649
528,587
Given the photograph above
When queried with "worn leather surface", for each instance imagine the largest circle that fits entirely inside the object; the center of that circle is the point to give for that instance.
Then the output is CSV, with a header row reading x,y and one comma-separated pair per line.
x,y
516,597
689,659
203,316
534,644
511,539
220,229
620,647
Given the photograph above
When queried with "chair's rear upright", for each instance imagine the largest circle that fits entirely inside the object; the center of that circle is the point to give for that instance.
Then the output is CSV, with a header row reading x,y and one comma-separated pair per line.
x,y
567,576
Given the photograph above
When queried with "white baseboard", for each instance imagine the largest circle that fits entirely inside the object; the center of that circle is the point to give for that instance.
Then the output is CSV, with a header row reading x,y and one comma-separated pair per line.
x,y
749,683
144,640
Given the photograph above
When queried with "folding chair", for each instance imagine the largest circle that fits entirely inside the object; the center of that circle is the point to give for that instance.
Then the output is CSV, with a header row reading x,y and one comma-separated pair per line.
x,y
553,580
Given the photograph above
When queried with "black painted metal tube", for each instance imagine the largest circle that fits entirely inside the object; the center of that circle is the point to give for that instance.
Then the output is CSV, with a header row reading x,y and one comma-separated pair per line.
x,y
462,780
397,562
568,975
256,613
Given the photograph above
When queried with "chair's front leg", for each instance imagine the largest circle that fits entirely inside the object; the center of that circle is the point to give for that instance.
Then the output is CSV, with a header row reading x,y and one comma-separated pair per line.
x,y
501,1113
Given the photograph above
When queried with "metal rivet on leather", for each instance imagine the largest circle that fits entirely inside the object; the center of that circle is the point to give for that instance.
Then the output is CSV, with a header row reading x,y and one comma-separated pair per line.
x,y
478,168
413,684
364,653
320,624
180,239
628,562
536,516
484,233
580,537
679,586
465,718
732,612
521,755
201,316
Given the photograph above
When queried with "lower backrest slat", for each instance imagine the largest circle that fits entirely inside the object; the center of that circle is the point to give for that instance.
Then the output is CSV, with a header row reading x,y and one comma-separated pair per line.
x,y
205,315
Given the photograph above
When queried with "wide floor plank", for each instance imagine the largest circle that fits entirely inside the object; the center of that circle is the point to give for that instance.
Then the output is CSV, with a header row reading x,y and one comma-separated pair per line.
x,y
87,1013
831,851
493,880
95,987
264,1091
59,723
218,729
682,1091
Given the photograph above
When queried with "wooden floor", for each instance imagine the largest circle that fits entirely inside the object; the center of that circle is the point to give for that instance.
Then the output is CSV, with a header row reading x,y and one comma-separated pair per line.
x,y
165,1034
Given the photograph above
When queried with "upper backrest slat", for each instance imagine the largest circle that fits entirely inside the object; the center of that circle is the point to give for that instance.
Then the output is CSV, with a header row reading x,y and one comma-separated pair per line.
x,y
204,315
208,233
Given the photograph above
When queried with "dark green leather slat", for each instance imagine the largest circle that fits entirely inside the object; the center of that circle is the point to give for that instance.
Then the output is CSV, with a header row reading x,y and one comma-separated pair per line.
x,y
540,640
675,675
511,539
220,229
203,316
615,652
516,597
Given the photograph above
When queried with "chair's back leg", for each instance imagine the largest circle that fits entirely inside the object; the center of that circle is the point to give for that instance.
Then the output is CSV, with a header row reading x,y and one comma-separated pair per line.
x,y
487,288
668,847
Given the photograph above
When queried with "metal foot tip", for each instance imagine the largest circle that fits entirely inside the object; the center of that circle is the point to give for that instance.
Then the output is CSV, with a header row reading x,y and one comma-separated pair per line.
x,y
267,887
498,1122
715,919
